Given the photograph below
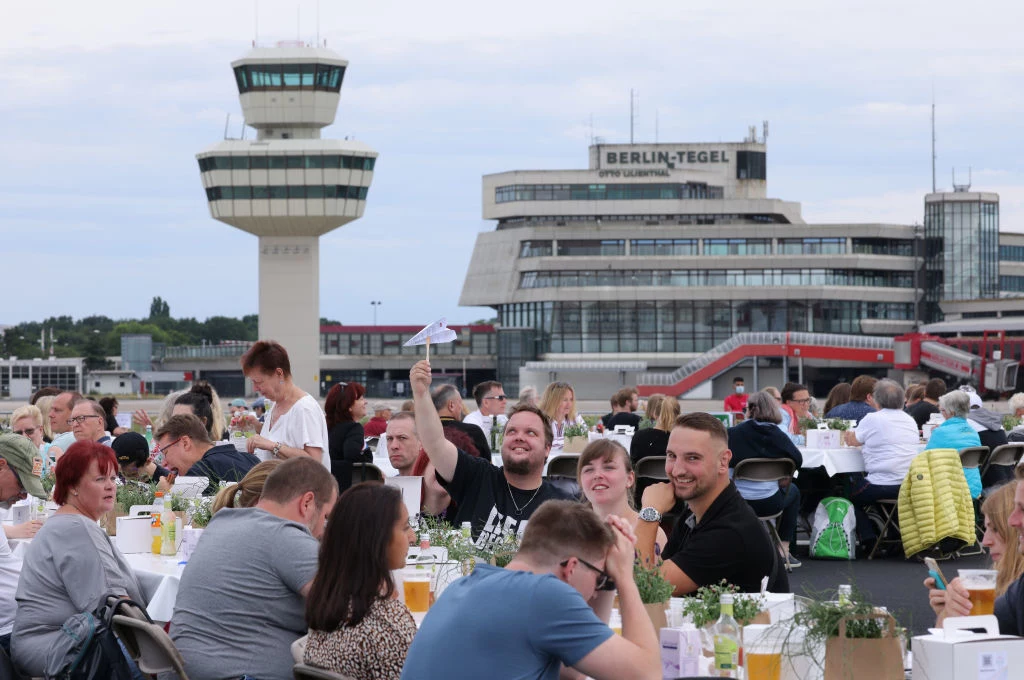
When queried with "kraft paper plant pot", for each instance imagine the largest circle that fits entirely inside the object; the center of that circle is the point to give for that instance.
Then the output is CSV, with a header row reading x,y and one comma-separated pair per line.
x,y
109,520
656,611
856,658
574,444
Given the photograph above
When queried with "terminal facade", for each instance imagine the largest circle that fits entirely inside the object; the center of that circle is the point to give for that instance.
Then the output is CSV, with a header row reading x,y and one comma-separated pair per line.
x,y
658,252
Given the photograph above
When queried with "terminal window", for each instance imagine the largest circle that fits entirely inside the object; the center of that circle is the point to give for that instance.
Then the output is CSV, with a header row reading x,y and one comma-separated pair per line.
x,y
325,77
751,165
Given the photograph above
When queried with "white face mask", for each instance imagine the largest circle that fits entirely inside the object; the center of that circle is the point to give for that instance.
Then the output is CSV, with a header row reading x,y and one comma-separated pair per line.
x,y
739,389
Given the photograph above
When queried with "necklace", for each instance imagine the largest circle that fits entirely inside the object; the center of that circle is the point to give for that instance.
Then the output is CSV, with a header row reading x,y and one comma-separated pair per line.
x,y
519,510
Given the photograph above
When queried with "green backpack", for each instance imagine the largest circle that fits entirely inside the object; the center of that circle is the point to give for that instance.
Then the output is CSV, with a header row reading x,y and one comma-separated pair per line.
x,y
833,533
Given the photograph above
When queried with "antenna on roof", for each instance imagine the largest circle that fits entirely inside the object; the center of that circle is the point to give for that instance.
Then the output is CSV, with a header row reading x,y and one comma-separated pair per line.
x,y
655,126
764,131
318,23
227,121
634,110
962,187
933,138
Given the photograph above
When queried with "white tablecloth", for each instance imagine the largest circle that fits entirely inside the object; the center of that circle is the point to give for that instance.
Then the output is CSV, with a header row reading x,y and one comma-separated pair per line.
x,y
159,577
835,461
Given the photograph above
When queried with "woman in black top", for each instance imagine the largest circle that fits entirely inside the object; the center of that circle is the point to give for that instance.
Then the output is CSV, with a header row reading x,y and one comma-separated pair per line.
x,y
344,407
654,440
759,436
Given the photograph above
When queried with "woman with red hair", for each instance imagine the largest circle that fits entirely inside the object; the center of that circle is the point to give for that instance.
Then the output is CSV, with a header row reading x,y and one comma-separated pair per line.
x,y
71,565
345,406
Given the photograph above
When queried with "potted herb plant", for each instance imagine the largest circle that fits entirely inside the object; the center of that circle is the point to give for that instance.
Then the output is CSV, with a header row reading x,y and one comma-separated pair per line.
x,y
128,494
655,590
576,438
202,511
704,607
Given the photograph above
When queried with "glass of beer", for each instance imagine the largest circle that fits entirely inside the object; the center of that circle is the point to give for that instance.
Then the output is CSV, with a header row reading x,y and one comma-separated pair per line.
x,y
763,653
981,585
416,586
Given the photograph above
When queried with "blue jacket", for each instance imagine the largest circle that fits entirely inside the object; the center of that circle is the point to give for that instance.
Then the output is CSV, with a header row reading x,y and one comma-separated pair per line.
x,y
957,433
851,410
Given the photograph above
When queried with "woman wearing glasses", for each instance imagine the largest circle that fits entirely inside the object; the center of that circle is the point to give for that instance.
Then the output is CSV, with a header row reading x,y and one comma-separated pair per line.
x,y
559,404
295,425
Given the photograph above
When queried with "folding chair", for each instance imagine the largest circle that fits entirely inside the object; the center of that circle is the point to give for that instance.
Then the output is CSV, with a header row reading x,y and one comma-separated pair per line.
x,y
304,672
975,457
156,651
563,465
1007,455
887,510
367,472
767,470
651,467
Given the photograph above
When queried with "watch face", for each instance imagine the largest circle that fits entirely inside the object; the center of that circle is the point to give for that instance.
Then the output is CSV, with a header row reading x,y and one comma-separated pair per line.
x,y
649,515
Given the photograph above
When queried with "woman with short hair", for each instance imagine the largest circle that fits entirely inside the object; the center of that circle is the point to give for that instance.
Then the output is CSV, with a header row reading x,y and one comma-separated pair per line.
x,y
760,436
71,565
956,433
295,424
357,626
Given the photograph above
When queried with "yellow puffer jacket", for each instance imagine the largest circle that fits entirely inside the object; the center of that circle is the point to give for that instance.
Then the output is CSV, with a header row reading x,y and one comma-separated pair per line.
x,y
935,502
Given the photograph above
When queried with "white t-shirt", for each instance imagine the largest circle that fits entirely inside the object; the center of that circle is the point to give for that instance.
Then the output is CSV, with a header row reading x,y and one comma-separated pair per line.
x,y
304,424
10,572
891,441
485,422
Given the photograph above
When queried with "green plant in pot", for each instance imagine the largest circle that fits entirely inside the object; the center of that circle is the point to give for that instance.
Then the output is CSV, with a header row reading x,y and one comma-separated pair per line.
x,y
576,437
704,606
655,590
202,511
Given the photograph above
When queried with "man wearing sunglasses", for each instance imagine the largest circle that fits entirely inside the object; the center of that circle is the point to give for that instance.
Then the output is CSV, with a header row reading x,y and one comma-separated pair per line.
x,y
19,460
542,607
490,405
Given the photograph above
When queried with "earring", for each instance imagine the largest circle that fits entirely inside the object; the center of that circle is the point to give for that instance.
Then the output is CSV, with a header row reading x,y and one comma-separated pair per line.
x,y
75,492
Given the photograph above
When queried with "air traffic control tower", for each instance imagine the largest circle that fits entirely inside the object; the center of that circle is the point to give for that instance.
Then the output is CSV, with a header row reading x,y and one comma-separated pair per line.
x,y
289,187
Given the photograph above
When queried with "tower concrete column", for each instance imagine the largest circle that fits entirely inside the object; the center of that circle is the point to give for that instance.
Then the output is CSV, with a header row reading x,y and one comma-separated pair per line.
x,y
289,290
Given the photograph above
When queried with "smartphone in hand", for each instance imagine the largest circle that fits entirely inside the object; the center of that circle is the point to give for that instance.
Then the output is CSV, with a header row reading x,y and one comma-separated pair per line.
x,y
935,573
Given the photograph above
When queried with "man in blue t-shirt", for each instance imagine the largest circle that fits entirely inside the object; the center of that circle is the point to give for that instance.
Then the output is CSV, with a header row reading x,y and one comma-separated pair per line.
x,y
532,618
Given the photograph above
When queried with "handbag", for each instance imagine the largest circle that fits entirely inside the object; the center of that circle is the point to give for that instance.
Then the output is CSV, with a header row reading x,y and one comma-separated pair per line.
x,y
88,648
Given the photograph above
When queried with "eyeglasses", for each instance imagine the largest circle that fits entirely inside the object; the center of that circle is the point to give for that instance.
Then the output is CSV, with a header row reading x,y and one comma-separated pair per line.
x,y
801,401
158,449
604,580
27,432
80,419
500,397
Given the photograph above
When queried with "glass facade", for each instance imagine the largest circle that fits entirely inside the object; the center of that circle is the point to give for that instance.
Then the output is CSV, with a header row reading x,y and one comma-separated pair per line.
x,y
737,246
604,192
961,251
285,191
689,278
310,162
325,77
812,246
684,325
1011,284
883,246
1011,253
535,248
663,246
579,247
385,343
637,220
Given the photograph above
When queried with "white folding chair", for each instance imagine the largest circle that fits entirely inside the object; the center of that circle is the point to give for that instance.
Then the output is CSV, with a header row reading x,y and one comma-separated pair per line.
x,y
156,651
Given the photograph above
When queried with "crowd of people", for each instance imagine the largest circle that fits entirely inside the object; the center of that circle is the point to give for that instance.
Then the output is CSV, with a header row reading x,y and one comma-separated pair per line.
x,y
296,552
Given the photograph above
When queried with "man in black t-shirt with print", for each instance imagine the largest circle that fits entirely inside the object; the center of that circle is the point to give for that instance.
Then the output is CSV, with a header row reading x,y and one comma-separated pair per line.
x,y
495,500
720,537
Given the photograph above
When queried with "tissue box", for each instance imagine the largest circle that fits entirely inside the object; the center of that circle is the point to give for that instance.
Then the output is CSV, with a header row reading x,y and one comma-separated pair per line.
x,y
967,655
823,439
680,652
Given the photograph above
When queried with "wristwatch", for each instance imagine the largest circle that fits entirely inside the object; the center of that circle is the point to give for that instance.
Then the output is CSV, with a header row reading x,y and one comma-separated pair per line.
x,y
276,450
649,514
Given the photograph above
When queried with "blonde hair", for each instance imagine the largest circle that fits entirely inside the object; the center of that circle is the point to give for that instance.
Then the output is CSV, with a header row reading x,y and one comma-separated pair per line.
x,y
246,493
552,399
997,508
667,414
43,404
32,412
608,449
653,405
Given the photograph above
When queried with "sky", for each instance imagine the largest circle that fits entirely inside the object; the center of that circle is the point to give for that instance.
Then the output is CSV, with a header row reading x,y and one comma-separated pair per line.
x,y
105,104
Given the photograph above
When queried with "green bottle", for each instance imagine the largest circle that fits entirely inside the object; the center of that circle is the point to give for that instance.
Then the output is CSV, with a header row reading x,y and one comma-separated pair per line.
x,y
726,633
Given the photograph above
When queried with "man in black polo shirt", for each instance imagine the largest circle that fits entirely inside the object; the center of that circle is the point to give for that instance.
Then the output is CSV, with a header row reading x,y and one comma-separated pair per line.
x,y
720,537
495,500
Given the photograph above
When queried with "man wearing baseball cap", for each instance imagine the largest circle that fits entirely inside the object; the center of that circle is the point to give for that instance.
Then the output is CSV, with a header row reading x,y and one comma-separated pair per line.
x,y
20,468
237,406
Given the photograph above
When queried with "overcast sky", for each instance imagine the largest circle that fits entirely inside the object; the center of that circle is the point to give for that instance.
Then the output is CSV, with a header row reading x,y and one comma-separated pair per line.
x,y
105,104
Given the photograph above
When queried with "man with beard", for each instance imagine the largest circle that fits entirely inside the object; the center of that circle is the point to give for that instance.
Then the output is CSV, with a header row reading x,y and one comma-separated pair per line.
x,y
720,537
495,500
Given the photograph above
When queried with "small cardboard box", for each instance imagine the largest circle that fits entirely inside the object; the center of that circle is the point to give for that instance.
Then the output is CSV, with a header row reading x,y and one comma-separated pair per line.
x,y
680,652
954,654
823,439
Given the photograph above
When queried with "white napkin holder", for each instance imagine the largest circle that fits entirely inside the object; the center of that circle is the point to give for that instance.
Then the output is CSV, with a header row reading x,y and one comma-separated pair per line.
x,y
823,438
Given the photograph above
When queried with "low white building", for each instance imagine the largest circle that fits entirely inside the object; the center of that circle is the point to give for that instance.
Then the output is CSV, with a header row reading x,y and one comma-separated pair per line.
x,y
19,378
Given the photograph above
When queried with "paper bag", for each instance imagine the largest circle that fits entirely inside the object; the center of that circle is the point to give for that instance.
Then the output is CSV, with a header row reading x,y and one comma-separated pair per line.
x,y
857,658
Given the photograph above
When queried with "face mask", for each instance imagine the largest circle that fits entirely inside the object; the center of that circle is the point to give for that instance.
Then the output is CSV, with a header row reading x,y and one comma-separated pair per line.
x,y
739,389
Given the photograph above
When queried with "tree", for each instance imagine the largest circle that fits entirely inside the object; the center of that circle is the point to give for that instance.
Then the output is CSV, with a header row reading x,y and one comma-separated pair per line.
x,y
159,309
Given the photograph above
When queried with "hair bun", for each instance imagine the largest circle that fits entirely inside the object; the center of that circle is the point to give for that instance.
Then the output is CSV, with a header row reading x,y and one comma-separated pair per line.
x,y
203,388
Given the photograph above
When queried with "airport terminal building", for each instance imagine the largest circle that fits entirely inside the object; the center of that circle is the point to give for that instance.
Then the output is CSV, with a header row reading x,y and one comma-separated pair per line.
x,y
658,252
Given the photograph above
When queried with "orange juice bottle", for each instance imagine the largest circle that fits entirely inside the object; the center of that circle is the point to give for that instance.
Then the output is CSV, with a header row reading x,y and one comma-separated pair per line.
x,y
155,524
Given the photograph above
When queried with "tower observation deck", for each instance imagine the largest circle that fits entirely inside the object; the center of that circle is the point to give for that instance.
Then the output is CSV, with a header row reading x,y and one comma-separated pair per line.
x,y
289,187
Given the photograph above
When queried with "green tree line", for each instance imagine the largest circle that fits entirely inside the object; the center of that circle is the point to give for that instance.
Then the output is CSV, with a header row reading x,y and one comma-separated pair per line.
x,y
97,337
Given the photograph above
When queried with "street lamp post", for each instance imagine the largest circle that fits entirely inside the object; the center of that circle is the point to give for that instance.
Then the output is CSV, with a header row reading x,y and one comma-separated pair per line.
x,y
375,304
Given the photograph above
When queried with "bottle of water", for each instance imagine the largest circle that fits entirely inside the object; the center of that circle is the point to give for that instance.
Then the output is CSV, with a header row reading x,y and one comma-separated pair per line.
x,y
845,595
726,633
149,436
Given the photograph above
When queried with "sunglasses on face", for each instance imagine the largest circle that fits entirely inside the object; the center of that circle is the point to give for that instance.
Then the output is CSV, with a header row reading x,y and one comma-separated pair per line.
x,y
27,432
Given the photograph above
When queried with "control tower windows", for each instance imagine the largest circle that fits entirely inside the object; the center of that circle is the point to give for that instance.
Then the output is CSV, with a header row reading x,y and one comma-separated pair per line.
x,y
234,193
324,77
313,162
